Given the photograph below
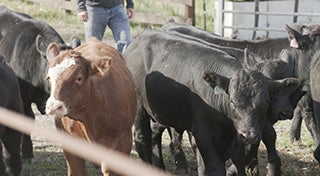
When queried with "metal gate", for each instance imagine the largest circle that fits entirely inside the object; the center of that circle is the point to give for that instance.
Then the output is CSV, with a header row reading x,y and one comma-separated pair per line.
x,y
222,12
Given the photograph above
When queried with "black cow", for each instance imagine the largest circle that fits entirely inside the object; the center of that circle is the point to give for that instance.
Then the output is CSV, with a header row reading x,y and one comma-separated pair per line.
x,y
10,157
295,64
272,68
314,88
268,48
23,42
304,49
190,86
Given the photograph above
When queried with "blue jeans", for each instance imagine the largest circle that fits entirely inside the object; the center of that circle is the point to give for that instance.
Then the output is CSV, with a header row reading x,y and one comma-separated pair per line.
x,y
117,20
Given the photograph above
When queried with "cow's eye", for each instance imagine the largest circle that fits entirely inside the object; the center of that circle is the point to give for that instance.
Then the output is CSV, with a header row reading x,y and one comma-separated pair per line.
x,y
79,80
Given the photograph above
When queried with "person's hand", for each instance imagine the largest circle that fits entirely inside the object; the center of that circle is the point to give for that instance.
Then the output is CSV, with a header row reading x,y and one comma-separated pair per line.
x,y
130,12
83,16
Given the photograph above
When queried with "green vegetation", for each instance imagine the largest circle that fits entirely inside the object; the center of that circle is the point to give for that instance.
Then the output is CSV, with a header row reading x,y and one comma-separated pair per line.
x,y
67,24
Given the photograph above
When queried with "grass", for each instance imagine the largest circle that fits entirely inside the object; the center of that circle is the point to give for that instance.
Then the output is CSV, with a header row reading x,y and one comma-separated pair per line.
x,y
296,158
67,24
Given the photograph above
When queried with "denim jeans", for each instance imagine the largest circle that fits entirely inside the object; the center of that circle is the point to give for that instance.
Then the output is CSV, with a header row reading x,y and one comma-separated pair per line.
x,y
117,20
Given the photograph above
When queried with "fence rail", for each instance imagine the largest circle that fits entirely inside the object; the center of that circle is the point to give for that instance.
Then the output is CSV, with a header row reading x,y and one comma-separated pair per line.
x,y
221,12
139,17
115,161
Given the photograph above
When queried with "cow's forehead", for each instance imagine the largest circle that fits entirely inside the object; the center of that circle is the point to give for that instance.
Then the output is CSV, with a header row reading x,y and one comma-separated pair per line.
x,y
247,86
58,69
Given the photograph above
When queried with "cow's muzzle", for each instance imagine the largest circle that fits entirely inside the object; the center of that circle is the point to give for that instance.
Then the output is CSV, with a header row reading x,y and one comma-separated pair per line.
x,y
56,108
249,137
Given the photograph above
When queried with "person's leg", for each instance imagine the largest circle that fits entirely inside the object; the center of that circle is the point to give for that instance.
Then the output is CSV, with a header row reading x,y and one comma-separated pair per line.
x,y
119,25
97,22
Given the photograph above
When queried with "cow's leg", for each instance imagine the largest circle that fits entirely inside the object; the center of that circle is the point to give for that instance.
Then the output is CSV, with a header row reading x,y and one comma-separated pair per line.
x,y
124,146
157,130
316,110
142,135
269,139
176,149
312,123
295,130
250,160
212,158
308,112
11,151
200,163
76,165
2,165
252,163
27,146
238,158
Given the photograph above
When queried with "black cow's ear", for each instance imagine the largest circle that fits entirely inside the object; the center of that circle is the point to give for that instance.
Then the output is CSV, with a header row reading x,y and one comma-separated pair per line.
x,y
284,86
53,50
75,42
40,45
216,80
251,60
298,40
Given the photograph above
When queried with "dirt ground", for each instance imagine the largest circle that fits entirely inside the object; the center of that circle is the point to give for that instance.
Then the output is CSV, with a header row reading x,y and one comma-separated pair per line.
x,y
296,158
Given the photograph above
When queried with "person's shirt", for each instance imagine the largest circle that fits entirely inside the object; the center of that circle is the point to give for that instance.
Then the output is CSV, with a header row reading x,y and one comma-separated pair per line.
x,y
102,3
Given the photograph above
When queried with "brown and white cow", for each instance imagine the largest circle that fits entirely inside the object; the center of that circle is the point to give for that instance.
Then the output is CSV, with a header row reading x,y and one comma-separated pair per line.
x,y
93,94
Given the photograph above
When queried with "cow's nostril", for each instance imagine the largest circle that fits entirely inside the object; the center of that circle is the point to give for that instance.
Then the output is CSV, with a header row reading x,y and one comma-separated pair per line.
x,y
59,108
249,137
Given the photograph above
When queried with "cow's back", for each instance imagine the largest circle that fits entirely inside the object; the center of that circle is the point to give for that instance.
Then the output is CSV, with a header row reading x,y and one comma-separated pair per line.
x,y
269,48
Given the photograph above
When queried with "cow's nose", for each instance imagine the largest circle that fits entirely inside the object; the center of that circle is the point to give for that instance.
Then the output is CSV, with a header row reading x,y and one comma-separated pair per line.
x,y
55,108
249,137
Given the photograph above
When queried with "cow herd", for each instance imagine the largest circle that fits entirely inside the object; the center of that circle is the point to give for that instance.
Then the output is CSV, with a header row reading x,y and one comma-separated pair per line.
x,y
225,93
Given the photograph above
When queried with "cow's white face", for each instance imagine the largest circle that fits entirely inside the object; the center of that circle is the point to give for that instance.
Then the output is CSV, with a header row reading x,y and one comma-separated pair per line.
x,y
56,107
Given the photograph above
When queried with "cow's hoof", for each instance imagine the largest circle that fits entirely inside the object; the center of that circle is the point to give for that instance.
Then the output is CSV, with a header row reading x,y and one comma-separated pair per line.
x,y
273,170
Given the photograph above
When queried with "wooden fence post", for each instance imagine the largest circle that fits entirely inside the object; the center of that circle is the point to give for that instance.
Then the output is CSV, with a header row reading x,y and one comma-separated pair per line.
x,y
190,12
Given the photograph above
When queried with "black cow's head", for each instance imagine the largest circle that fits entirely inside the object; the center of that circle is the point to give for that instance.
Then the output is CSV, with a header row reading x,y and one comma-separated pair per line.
x,y
281,107
250,94
307,37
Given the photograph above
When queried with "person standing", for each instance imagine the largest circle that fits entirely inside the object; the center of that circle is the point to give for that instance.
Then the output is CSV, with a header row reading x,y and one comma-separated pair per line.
x,y
98,14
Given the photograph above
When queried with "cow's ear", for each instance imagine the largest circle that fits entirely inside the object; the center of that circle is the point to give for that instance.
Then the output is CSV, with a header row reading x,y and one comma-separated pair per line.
x,y
298,40
100,66
251,60
74,42
40,45
216,81
284,86
53,50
